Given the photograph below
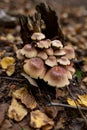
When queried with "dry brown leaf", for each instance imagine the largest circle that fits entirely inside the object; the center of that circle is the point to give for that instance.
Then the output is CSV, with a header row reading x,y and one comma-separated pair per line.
x,y
60,124
2,52
16,111
6,62
39,119
51,111
10,70
3,110
6,125
25,97
47,127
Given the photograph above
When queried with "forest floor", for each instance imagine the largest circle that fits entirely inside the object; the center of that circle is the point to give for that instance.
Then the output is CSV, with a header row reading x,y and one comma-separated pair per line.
x,y
40,116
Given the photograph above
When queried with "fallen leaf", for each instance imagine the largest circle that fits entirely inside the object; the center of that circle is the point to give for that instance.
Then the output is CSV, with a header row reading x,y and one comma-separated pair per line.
x,y
25,97
6,62
60,123
39,119
47,127
16,111
6,125
51,111
82,100
3,110
2,52
71,102
10,70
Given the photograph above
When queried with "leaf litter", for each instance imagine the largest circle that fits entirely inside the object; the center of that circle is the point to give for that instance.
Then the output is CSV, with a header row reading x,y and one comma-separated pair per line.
x,y
75,34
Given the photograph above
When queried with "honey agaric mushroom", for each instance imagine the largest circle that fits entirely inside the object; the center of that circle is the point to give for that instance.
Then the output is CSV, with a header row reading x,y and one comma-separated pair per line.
x,y
57,44
37,36
63,61
35,68
60,52
49,51
42,55
43,44
29,51
57,77
51,61
70,53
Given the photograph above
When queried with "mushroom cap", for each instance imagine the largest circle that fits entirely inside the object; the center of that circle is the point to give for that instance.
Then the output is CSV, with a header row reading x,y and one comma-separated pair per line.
x,y
51,61
57,77
70,53
57,44
29,51
35,68
37,36
42,55
63,61
71,68
49,51
60,52
19,55
43,44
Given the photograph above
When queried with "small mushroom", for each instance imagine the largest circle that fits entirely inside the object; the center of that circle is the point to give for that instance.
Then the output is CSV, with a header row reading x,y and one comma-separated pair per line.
x,y
71,68
63,61
57,77
60,52
43,44
29,51
57,44
51,61
19,55
35,68
37,36
49,51
70,53
42,55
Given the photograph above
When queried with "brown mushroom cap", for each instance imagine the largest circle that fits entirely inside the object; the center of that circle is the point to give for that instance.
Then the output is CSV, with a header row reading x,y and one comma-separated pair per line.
x,y
70,53
19,55
63,61
71,68
57,77
51,61
37,36
43,44
42,55
57,44
29,51
60,52
35,68
49,51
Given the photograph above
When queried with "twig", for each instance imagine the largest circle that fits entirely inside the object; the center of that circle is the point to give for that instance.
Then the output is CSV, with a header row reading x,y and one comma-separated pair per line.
x,y
9,78
79,108
65,105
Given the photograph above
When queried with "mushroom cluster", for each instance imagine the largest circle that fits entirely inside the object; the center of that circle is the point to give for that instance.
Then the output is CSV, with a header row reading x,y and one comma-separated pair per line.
x,y
48,60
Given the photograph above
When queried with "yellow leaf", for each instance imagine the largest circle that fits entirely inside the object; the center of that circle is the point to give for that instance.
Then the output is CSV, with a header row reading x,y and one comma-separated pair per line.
x,y
16,111
25,97
71,102
39,119
6,62
10,70
82,100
